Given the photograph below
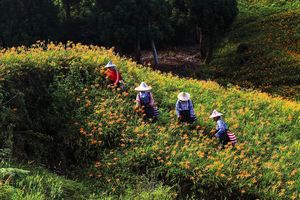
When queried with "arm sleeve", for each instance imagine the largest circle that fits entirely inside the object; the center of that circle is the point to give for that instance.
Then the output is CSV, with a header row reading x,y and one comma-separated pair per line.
x,y
192,112
151,99
137,100
106,74
221,129
177,108
118,77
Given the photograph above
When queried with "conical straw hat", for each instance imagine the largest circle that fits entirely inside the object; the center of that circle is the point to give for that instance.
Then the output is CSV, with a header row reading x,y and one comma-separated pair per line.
x,y
215,114
143,87
110,64
184,96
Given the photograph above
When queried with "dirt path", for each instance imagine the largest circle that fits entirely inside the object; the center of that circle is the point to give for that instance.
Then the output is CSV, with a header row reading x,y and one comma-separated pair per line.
x,y
183,62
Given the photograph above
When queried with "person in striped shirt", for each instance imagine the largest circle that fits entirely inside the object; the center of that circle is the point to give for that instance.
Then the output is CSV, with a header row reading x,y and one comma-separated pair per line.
x,y
113,75
221,129
184,108
145,100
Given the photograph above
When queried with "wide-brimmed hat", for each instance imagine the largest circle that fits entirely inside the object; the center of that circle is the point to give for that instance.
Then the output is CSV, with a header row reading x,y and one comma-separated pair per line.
x,y
143,87
184,96
215,114
110,64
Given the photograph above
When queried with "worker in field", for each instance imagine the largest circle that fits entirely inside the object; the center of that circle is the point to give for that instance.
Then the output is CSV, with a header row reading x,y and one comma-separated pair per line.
x,y
185,109
222,130
145,100
113,75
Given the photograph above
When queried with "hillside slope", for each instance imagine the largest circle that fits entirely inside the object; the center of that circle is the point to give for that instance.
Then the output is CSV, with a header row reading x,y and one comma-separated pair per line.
x,y
29,182
260,51
105,140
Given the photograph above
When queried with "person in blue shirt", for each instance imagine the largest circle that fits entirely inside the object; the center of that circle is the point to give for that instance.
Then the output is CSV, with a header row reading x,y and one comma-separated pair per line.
x,y
184,108
221,129
145,100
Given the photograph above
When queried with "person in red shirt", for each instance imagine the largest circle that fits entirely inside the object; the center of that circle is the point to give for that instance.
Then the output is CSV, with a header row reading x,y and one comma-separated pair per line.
x,y
113,75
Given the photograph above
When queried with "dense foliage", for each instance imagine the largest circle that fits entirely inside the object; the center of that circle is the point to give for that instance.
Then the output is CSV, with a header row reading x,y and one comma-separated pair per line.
x,y
125,24
97,129
204,20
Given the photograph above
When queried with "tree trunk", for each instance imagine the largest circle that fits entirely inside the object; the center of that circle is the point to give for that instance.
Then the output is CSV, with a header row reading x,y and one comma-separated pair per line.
x,y
205,45
155,56
199,36
209,51
202,43
138,51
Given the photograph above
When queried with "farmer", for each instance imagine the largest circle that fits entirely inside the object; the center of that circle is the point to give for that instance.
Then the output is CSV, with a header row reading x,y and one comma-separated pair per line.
x,y
113,75
184,108
144,99
221,129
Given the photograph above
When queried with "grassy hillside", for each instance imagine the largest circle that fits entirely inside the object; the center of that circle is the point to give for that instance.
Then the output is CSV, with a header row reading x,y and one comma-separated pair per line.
x,y
269,57
260,51
102,137
28,182
32,183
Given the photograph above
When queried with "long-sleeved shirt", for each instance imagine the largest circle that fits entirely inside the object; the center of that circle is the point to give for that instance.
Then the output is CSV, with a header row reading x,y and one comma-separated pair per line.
x,y
113,75
144,98
183,106
221,128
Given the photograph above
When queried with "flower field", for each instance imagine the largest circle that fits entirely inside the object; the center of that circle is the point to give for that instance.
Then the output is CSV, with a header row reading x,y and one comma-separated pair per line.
x,y
116,148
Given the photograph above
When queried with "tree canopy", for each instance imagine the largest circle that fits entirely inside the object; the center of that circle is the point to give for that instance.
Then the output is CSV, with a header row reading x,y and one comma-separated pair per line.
x,y
125,24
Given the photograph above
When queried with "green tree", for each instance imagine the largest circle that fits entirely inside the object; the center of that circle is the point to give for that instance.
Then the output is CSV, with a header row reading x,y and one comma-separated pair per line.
x,y
25,21
77,20
206,20
135,22
128,25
